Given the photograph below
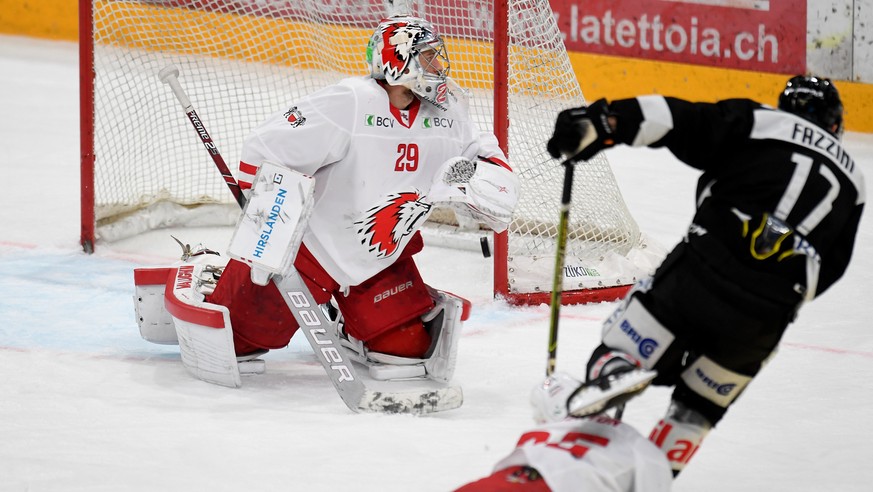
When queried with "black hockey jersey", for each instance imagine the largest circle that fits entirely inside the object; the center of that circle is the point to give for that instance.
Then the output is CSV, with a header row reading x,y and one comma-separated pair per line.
x,y
779,195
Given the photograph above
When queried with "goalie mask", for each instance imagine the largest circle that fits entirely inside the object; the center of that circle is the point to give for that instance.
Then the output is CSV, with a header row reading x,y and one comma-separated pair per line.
x,y
407,51
814,99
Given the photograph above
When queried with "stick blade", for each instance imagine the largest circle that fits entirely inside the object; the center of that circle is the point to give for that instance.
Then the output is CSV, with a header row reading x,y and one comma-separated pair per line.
x,y
413,402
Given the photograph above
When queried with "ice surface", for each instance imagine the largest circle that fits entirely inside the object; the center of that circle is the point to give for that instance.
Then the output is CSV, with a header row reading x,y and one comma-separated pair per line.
x,y
86,404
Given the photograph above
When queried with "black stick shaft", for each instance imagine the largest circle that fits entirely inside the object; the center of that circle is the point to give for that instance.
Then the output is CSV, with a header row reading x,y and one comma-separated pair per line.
x,y
558,280
229,180
169,75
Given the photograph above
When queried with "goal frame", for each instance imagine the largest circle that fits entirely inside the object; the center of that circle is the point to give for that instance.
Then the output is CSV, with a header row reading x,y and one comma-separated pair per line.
x,y
501,282
86,125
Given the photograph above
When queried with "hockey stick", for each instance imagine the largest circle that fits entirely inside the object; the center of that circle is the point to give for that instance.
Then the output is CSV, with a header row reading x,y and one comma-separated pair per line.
x,y
170,76
558,279
320,331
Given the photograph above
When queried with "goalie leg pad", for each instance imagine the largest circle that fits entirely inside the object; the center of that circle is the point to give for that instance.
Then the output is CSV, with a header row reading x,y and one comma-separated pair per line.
x,y
443,323
204,332
407,340
390,300
261,318
155,323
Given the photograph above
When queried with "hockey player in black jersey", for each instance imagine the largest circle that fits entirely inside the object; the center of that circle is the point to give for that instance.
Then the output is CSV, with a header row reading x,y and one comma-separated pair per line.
x,y
778,206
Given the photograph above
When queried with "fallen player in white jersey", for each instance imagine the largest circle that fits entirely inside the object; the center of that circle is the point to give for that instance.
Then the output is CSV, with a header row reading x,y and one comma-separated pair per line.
x,y
591,454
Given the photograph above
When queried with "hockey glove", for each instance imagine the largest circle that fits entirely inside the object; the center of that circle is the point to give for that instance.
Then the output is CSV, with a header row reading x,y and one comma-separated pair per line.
x,y
482,191
582,132
492,195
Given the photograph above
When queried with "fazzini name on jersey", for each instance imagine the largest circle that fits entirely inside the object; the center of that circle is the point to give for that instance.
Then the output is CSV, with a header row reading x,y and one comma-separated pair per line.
x,y
814,138
777,125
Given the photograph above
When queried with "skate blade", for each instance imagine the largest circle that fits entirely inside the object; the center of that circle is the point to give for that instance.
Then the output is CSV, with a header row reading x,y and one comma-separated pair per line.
x,y
592,399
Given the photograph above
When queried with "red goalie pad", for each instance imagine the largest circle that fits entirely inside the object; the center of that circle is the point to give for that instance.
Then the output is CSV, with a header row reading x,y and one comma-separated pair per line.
x,y
394,297
258,314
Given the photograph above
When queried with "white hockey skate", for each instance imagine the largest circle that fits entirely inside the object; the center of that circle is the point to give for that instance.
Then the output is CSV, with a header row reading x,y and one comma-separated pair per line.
x,y
609,391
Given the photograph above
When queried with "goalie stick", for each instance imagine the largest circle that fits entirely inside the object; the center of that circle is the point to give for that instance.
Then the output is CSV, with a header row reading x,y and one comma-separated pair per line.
x,y
170,76
319,330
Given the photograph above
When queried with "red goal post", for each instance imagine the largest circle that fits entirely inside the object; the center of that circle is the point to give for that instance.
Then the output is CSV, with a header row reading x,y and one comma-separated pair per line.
x,y
240,60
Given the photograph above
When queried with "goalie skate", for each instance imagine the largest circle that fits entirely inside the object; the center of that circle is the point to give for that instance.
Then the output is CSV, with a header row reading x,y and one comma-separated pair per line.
x,y
443,323
382,367
609,391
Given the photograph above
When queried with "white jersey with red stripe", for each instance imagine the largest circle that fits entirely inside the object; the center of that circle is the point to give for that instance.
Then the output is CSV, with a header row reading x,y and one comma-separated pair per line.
x,y
373,164
595,453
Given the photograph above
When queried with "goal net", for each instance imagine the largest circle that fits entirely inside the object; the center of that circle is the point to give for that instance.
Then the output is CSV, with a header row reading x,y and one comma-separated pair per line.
x,y
143,167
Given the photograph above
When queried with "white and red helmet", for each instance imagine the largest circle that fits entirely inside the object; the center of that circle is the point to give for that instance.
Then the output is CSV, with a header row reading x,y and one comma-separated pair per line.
x,y
395,56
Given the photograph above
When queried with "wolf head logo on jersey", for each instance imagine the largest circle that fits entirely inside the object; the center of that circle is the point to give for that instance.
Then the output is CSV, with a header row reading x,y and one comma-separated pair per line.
x,y
384,226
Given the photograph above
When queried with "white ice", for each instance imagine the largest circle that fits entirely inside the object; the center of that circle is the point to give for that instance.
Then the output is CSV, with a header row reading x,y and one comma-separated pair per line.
x,y
87,405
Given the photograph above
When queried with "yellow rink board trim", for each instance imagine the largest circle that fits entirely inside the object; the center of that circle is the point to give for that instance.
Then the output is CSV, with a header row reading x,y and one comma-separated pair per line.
x,y
154,28
49,19
615,78
599,75
231,36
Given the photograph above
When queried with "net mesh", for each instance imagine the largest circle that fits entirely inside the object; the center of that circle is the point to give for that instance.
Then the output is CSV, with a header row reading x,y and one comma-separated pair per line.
x,y
242,60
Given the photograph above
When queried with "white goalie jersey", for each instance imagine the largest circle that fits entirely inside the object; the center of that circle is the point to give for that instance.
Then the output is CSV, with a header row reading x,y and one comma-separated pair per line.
x,y
374,166
594,453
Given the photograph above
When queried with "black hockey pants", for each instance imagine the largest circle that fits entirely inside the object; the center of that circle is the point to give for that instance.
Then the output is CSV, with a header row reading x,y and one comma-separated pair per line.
x,y
711,316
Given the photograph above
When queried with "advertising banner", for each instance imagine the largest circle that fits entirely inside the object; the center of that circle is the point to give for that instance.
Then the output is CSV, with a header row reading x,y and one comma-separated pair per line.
x,y
759,35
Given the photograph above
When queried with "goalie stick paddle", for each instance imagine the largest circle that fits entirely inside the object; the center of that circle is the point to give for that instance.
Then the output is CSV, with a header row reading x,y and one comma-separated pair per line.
x,y
170,76
320,331
322,335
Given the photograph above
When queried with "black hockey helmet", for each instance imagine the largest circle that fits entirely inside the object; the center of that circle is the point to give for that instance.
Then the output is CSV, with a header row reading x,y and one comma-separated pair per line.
x,y
814,99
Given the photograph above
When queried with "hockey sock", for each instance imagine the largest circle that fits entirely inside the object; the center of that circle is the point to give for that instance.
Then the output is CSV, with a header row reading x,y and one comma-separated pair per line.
x,y
679,435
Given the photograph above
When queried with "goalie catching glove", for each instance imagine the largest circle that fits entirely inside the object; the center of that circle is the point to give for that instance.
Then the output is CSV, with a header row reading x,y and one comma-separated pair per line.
x,y
580,133
482,190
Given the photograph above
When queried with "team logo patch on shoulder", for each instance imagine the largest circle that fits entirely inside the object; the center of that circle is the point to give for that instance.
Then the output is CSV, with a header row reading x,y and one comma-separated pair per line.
x,y
295,117
383,227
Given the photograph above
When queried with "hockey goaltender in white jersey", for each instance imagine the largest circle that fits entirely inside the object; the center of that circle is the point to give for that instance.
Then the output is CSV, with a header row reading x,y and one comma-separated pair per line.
x,y
370,157
374,167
